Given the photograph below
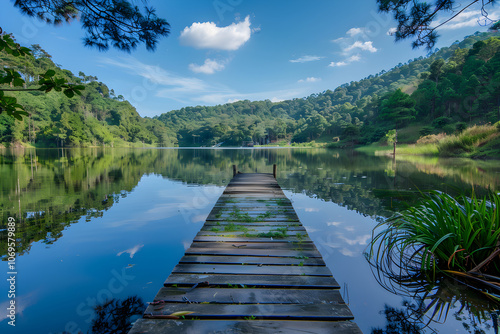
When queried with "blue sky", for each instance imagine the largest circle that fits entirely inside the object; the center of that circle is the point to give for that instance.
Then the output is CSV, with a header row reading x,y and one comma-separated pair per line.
x,y
226,50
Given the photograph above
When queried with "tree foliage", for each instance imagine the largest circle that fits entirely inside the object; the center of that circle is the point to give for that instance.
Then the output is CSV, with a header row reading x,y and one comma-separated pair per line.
x,y
91,117
417,19
47,81
115,22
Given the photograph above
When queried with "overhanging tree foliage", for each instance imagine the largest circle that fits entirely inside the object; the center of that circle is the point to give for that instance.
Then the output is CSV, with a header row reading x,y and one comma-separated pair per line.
x,y
11,77
417,19
106,21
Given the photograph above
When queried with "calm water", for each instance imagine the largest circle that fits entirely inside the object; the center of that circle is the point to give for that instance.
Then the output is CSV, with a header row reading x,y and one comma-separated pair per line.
x,y
109,225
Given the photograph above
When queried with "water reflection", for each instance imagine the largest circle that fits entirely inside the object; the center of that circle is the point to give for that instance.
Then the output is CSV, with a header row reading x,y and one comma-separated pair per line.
x,y
432,299
399,322
47,190
116,316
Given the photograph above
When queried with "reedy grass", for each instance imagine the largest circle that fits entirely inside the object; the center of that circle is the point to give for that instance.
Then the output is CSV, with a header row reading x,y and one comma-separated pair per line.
x,y
442,233
467,141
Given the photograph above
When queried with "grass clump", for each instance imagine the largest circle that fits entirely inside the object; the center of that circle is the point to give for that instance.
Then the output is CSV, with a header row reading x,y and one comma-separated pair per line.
x,y
237,215
231,227
279,233
467,141
442,233
423,149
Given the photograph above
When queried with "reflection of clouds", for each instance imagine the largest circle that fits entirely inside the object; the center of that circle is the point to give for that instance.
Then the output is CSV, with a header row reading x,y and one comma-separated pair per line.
x,y
311,229
166,208
358,240
22,302
349,228
331,244
131,251
334,223
347,252
199,218
186,244
311,209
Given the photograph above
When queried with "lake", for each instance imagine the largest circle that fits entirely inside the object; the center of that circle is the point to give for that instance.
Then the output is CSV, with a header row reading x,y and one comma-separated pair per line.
x,y
97,225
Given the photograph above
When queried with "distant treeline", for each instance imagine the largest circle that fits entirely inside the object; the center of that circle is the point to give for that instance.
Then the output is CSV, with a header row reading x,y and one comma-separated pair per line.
x,y
449,88
443,92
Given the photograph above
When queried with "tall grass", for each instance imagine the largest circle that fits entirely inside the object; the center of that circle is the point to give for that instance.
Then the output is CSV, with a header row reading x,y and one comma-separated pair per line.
x,y
442,233
468,140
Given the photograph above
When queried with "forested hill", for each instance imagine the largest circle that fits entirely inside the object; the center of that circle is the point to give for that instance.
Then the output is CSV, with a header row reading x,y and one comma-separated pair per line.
x,y
443,92
98,117
449,88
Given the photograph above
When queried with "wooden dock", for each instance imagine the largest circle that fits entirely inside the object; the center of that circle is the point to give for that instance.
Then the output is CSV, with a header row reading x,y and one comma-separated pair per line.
x,y
252,268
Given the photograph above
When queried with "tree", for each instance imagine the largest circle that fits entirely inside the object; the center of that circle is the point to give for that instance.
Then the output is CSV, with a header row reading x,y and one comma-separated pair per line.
x,y
392,138
106,21
416,19
397,107
12,78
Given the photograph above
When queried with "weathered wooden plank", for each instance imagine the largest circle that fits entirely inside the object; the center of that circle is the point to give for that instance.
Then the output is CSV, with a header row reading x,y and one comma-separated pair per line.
x,y
263,311
230,199
274,204
290,220
257,212
277,244
211,223
250,269
290,239
252,233
281,261
253,228
254,280
153,326
254,252
257,216
249,296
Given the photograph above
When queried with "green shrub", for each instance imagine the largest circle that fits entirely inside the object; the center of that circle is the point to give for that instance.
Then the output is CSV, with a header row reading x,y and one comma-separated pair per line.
x,y
460,126
426,130
442,233
440,122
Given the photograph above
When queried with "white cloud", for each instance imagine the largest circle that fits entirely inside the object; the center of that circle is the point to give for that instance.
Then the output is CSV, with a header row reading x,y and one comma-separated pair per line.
x,y
392,31
305,59
207,35
337,64
310,79
355,31
353,58
365,46
334,223
209,67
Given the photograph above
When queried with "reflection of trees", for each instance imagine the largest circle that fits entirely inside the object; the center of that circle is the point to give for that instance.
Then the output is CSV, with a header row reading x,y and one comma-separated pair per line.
x,y
435,297
115,316
47,190
398,322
